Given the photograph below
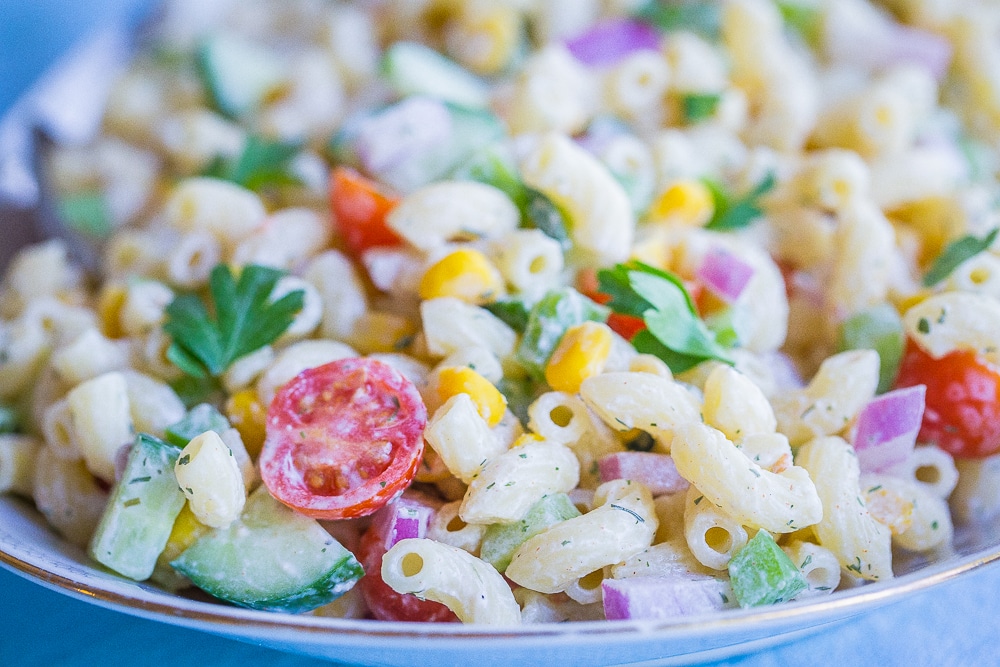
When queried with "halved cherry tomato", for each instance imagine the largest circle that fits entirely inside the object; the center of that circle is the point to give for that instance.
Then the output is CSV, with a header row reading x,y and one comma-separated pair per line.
x,y
343,439
384,603
360,207
962,413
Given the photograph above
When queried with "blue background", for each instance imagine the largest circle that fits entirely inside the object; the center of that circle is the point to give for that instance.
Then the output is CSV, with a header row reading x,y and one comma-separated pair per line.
x,y
954,624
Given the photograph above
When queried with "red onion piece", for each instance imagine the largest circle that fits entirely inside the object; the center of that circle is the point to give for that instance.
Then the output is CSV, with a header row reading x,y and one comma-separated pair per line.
x,y
886,429
725,274
656,471
402,519
659,598
412,127
608,42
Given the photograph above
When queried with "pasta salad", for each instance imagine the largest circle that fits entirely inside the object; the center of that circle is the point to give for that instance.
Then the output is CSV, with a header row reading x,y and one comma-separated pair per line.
x,y
521,312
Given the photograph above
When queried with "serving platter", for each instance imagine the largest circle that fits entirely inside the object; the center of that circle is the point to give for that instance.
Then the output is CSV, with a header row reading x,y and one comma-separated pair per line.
x,y
29,548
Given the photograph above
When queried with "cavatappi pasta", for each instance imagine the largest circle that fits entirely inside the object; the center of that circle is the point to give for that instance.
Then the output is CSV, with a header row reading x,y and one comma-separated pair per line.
x,y
589,250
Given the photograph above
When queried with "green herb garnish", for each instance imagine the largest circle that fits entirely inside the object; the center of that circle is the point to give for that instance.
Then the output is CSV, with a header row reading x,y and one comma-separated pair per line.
x,y
673,332
737,213
242,320
263,164
955,253
697,107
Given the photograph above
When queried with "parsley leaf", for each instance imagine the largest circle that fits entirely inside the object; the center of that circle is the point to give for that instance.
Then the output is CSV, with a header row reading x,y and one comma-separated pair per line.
x,y
733,214
673,332
243,320
954,254
697,107
263,164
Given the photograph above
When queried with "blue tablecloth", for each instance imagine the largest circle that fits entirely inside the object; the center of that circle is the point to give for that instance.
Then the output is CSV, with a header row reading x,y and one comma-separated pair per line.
x,y
954,624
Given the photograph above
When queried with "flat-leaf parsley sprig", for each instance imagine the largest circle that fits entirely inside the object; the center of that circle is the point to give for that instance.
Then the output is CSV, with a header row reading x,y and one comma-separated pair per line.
x,y
238,319
673,332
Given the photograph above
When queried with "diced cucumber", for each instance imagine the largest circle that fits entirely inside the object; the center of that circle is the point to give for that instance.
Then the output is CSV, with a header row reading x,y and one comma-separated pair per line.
x,y
549,319
144,503
762,574
878,328
238,74
495,165
199,419
414,142
501,540
272,558
415,69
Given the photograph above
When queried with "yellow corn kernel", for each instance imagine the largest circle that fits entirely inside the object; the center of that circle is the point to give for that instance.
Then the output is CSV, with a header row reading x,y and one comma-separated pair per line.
x,y
465,274
581,353
904,302
686,202
186,531
247,416
109,308
378,332
490,403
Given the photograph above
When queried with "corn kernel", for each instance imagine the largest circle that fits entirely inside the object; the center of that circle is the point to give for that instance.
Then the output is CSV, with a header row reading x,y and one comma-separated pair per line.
x,y
906,301
465,274
109,308
247,416
686,202
186,531
490,403
581,353
380,332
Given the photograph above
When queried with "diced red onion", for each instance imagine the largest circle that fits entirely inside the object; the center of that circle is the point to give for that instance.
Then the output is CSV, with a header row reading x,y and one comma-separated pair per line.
x,y
885,42
725,274
660,598
886,429
656,471
410,128
608,42
402,519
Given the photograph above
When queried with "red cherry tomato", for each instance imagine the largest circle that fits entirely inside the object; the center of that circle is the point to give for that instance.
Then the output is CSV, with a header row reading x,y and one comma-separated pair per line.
x,y
343,439
360,208
962,414
384,603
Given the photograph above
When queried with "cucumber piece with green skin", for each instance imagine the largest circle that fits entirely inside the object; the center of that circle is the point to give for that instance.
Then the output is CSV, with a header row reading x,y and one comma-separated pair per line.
x,y
501,540
140,514
415,69
415,141
271,558
238,74
199,419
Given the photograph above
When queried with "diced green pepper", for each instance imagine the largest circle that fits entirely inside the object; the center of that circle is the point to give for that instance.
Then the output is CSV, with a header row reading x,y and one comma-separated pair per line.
x,y
140,514
761,573
878,328
501,540
549,319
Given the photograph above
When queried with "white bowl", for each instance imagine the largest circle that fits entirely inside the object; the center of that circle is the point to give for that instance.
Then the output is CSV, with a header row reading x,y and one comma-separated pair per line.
x,y
29,547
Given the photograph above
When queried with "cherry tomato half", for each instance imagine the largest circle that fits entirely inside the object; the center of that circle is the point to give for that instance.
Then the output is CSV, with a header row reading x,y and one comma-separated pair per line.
x,y
384,603
343,439
359,210
962,414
